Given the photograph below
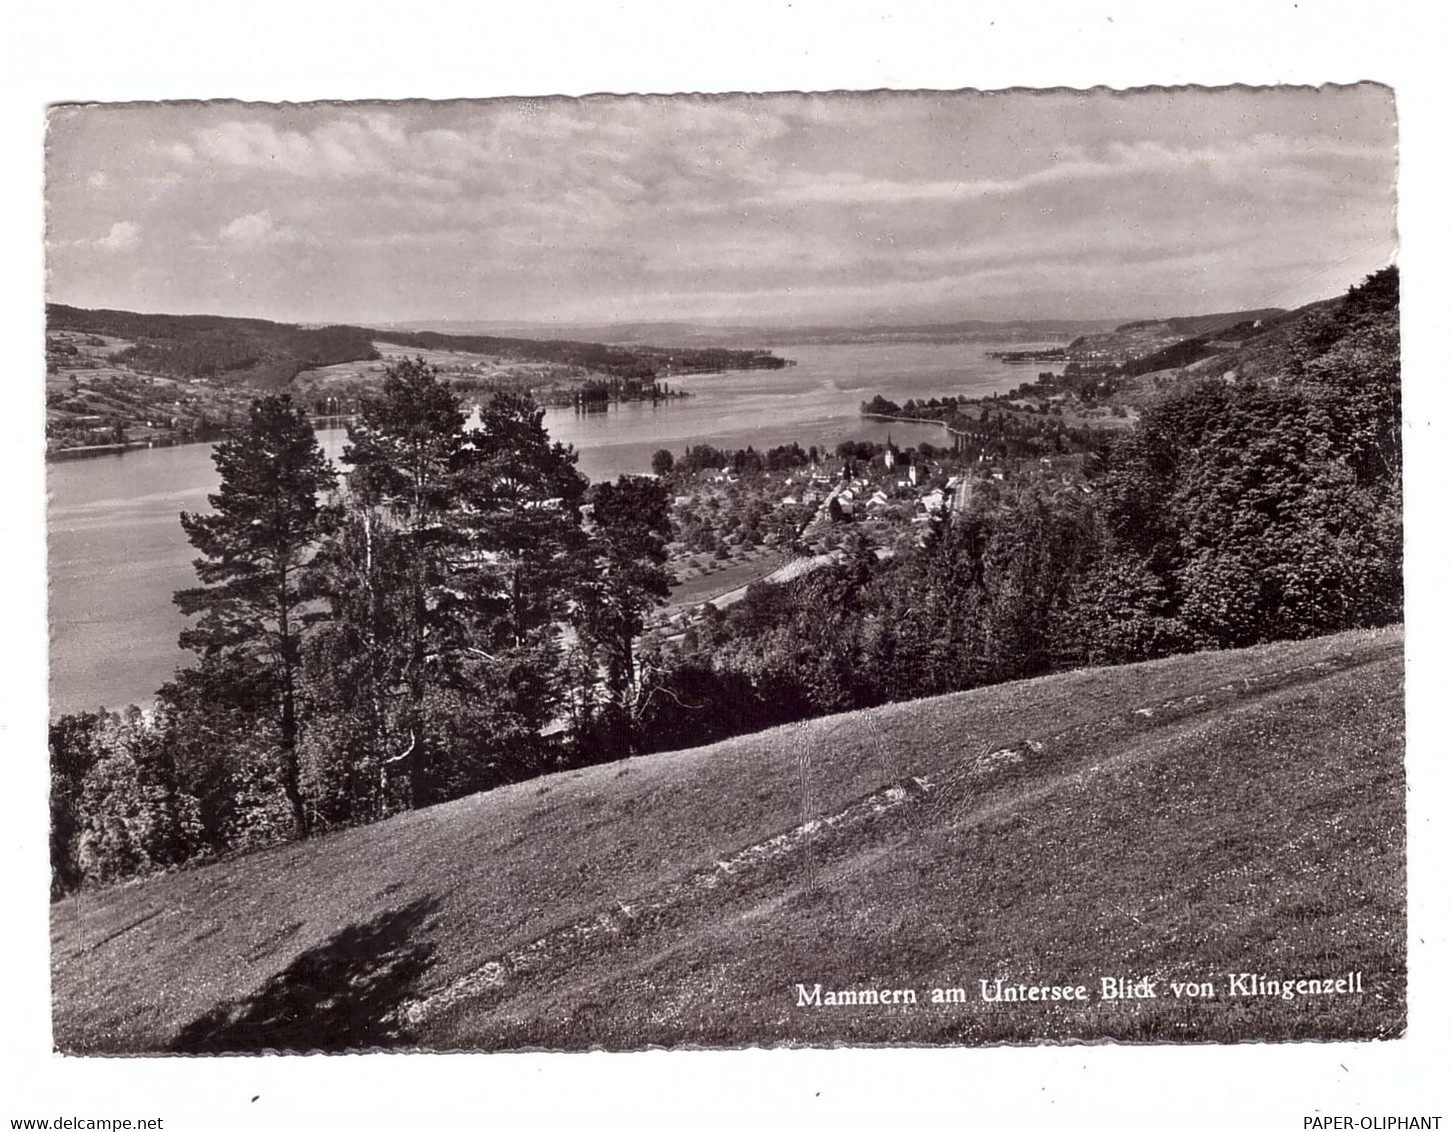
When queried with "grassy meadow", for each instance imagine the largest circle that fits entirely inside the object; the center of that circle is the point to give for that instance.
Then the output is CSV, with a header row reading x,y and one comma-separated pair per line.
x,y
1186,818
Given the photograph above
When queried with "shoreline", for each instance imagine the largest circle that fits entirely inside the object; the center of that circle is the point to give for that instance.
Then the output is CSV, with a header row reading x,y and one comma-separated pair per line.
x,y
908,420
342,420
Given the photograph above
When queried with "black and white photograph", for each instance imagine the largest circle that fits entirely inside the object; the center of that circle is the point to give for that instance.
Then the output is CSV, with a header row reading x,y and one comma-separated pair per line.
x,y
762,567
622,572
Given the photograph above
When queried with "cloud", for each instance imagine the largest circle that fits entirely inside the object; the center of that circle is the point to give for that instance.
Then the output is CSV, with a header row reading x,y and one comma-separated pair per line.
x,y
256,228
124,236
344,148
248,229
942,201
1258,156
497,146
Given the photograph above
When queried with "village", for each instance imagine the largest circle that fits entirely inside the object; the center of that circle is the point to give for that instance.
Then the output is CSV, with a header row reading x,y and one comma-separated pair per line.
x,y
746,518
95,405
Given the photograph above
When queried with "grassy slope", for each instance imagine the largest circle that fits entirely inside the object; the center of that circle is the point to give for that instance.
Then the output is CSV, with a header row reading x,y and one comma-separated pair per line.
x,y
1194,816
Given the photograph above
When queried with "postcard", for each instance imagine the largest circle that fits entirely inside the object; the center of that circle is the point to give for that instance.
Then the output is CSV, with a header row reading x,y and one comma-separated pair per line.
x,y
912,568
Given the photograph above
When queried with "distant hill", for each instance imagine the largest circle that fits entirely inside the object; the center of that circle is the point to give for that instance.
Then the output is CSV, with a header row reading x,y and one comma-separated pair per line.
x,y
250,351
1129,347
1206,323
1179,821
628,333
971,330
1250,347
268,355
641,362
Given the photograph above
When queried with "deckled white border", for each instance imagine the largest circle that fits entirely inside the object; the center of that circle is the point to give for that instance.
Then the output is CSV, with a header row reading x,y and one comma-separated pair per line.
x,y
270,50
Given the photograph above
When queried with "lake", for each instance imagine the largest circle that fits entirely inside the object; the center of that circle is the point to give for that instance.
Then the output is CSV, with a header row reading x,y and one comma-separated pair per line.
x,y
116,551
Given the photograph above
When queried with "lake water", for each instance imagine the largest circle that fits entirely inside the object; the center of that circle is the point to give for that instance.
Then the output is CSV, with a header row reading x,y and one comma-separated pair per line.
x,y
116,550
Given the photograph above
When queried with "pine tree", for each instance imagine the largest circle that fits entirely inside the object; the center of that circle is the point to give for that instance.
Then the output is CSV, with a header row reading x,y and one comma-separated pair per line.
x,y
475,543
631,525
259,585
407,451
522,497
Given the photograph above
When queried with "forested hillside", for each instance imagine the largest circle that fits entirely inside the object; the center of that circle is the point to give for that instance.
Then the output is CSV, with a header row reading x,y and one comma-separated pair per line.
x,y
206,347
639,362
268,355
1128,347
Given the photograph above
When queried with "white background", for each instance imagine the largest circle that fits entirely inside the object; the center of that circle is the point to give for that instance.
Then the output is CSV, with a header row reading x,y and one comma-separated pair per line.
x,y
271,50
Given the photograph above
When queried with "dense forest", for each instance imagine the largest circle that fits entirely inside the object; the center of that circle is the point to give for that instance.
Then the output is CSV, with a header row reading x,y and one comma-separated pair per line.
x,y
460,609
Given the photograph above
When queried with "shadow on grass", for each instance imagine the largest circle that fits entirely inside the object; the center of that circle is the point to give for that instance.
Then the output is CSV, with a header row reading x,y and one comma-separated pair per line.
x,y
343,994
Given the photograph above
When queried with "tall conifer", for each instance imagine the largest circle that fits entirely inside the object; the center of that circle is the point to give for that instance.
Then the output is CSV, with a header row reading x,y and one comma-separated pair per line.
x,y
256,570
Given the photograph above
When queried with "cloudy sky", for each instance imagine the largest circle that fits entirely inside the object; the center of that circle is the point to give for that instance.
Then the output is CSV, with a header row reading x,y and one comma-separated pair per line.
x,y
746,208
